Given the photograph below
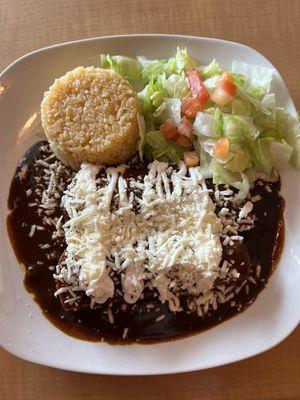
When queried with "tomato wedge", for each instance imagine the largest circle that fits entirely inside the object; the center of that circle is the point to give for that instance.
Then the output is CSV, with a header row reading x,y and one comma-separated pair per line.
x,y
185,128
183,141
190,106
191,159
221,148
168,129
197,87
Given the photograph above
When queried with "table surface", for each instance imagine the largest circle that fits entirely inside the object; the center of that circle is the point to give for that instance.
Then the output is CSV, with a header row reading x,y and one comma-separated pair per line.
x,y
273,28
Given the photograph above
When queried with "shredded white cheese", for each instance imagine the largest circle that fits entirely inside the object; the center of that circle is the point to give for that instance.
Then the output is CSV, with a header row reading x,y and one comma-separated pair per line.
x,y
173,241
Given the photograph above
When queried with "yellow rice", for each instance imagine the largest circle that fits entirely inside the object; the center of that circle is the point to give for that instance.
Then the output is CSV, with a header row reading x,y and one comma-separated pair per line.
x,y
90,115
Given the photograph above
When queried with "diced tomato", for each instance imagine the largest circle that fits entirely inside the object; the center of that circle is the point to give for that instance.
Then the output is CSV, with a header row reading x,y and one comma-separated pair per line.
x,y
221,97
185,128
183,141
203,95
194,82
191,159
168,129
225,90
190,106
229,87
197,87
221,148
226,76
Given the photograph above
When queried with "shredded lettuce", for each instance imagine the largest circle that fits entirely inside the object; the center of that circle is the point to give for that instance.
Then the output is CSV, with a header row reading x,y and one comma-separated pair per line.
x,y
151,69
145,100
240,181
180,62
257,78
281,153
157,91
289,127
211,70
218,123
239,107
203,124
262,137
169,109
176,86
142,130
269,101
127,67
158,148
239,162
222,176
239,129
210,83
257,104
243,187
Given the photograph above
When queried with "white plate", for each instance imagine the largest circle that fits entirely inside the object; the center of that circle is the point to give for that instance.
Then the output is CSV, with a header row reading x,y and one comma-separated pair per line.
x,y
25,332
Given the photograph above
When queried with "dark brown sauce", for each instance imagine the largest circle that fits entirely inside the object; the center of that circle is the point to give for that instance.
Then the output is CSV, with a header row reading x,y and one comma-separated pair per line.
x,y
264,244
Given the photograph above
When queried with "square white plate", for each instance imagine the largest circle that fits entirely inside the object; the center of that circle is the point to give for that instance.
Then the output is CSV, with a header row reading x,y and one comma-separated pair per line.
x,y
25,332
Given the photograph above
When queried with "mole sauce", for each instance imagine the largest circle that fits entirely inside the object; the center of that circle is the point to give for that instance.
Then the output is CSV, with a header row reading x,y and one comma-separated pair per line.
x,y
142,323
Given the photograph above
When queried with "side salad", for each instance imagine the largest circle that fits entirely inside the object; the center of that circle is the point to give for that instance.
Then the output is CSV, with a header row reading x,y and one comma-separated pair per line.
x,y
225,121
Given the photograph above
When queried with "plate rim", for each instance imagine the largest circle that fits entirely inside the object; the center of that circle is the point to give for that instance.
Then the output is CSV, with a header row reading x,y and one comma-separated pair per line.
x,y
132,35
175,369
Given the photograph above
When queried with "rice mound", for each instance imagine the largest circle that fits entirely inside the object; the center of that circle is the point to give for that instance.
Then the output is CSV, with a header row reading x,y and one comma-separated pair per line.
x,y
90,115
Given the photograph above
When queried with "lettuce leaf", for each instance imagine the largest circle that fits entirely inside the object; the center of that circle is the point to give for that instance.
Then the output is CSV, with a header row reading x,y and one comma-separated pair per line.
x,y
180,62
203,124
152,69
289,127
205,159
239,129
239,107
261,155
257,78
239,162
128,68
169,109
257,104
176,86
210,83
254,83
218,123
145,100
211,70
281,153
142,130
156,91
236,180
158,148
